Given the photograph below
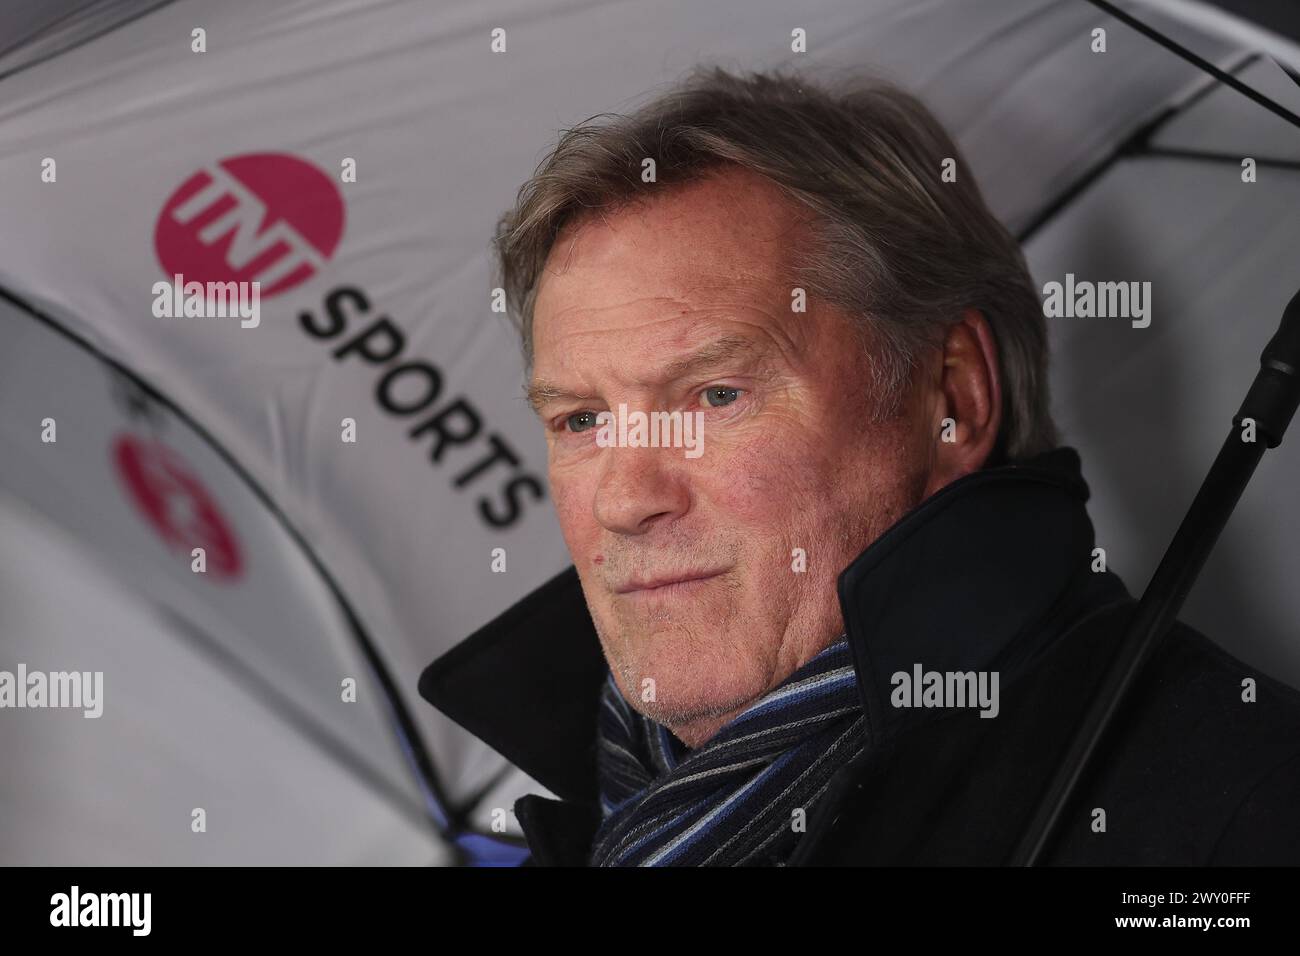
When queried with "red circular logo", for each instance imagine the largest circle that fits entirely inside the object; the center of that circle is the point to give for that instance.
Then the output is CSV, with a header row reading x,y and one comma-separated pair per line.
x,y
264,217
174,501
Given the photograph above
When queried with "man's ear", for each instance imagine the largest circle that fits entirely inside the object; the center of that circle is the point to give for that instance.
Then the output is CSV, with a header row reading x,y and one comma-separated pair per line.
x,y
967,401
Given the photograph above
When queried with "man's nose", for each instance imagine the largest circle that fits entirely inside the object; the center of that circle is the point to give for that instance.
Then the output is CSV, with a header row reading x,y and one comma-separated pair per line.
x,y
639,488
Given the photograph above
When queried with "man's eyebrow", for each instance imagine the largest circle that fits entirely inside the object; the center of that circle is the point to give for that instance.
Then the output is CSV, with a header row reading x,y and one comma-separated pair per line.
x,y
540,391
715,353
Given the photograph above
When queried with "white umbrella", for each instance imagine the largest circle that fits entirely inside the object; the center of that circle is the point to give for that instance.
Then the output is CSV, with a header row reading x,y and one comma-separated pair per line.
x,y
364,560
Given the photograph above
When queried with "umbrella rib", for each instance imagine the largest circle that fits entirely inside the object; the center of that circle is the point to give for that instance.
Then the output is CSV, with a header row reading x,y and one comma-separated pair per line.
x,y
1200,155
1197,60
265,692
402,722
35,38
1129,146
466,807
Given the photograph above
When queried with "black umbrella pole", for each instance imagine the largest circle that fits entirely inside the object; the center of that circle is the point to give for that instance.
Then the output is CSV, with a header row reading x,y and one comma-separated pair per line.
x,y
1264,417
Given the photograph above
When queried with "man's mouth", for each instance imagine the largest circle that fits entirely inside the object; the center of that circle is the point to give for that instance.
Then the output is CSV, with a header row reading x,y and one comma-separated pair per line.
x,y
669,584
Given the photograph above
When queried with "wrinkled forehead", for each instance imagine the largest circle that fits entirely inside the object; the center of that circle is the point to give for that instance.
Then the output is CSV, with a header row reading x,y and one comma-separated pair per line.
x,y
727,242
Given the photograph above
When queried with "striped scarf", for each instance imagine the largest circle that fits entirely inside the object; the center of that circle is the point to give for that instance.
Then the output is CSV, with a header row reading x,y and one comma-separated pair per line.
x,y
731,802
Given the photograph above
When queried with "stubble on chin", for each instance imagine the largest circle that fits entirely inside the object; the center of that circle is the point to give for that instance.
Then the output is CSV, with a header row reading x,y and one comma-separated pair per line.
x,y
673,674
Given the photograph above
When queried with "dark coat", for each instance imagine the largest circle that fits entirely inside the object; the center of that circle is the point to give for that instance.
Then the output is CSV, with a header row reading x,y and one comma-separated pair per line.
x,y
995,573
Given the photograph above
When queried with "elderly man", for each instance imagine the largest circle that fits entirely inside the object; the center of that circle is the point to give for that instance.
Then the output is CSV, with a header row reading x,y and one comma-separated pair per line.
x,y
860,623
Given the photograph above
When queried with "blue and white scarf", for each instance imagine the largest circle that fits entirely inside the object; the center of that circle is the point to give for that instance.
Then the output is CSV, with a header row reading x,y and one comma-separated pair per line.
x,y
733,801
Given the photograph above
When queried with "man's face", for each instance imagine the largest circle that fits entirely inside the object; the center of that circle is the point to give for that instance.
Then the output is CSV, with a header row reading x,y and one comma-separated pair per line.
x,y
685,304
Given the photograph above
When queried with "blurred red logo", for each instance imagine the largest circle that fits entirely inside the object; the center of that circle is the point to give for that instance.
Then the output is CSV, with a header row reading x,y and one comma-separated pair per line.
x,y
263,217
174,501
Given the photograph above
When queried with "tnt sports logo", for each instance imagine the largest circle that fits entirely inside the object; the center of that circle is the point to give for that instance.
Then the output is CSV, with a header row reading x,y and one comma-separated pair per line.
x,y
173,500
264,217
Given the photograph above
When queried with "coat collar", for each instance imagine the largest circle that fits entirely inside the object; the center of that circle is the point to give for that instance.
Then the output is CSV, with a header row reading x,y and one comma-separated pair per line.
x,y
971,579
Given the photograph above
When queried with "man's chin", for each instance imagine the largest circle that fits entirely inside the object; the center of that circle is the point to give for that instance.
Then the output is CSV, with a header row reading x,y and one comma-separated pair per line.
x,y
674,675
689,699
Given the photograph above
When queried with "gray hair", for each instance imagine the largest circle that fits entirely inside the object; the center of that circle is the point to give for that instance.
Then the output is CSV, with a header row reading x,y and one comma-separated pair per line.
x,y
894,246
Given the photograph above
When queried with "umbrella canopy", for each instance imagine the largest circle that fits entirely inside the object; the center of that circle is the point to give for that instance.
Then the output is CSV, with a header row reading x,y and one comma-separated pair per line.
x,y
129,156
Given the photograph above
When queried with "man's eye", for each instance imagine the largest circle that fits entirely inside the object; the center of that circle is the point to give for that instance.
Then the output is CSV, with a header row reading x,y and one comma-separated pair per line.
x,y
580,421
720,395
